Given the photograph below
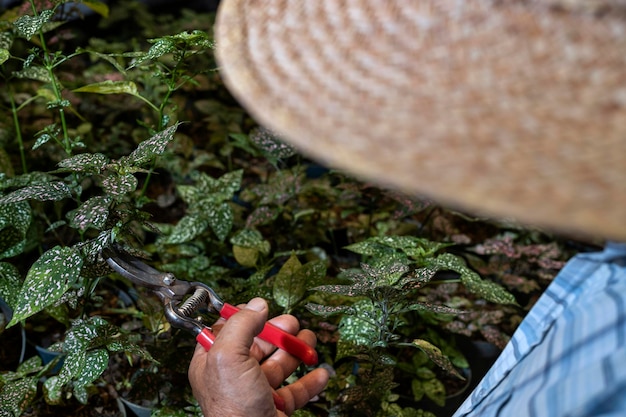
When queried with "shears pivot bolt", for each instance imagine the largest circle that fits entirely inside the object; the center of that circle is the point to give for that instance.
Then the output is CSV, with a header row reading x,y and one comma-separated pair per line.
x,y
169,279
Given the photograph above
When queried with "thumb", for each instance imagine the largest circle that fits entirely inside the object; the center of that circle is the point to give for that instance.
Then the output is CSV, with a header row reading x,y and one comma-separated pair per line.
x,y
239,330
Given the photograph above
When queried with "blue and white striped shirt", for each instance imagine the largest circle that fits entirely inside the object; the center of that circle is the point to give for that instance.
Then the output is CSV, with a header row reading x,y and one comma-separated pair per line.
x,y
568,356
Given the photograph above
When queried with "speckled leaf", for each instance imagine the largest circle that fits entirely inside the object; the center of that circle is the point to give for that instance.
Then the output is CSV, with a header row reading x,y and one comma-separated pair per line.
x,y
221,220
288,289
46,282
358,326
96,361
110,87
326,311
435,355
189,193
150,148
6,40
92,213
171,44
23,180
10,283
85,162
248,238
30,365
56,190
10,238
121,185
125,345
490,291
34,73
84,332
415,247
225,186
262,215
270,144
53,389
27,26
187,228
15,220
161,47
17,396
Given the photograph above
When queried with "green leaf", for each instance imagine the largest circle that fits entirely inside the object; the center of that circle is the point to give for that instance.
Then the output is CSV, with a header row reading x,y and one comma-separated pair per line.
x,y
15,220
435,390
56,190
435,355
187,228
10,283
97,6
220,219
4,55
17,396
490,291
246,256
85,162
46,282
288,288
27,26
92,213
149,149
418,390
109,87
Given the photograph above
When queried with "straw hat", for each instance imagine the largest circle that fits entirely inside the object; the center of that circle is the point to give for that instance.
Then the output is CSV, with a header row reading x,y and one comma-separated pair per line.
x,y
510,108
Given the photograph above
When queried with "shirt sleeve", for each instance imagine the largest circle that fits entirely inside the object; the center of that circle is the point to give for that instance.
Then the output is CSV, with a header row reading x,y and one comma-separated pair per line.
x,y
568,356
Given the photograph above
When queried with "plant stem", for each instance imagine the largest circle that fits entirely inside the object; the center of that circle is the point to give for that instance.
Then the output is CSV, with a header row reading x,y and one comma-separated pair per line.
x,y
18,132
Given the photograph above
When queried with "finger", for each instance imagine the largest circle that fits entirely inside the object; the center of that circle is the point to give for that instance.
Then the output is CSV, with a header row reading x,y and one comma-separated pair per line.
x,y
281,364
287,323
297,394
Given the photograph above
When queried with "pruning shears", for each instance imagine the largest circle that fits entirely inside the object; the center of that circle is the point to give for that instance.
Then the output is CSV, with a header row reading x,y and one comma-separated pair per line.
x,y
182,300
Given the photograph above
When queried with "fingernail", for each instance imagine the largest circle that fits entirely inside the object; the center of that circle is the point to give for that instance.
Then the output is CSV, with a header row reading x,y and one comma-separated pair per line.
x,y
257,304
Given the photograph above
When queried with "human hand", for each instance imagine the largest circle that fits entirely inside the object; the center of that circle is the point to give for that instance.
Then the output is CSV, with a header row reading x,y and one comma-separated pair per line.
x,y
237,375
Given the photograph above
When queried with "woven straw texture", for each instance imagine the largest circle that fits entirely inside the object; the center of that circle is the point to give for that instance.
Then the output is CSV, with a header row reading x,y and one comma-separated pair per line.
x,y
509,108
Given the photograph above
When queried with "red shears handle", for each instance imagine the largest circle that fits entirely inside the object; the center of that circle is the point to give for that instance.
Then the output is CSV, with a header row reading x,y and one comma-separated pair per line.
x,y
279,338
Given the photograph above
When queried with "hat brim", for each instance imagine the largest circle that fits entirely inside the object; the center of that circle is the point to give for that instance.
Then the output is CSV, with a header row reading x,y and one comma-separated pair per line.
x,y
510,109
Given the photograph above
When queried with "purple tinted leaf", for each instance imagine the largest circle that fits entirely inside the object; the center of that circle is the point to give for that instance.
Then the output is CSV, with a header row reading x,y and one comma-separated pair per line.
x,y
326,311
92,213
151,148
118,186
56,190
88,162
